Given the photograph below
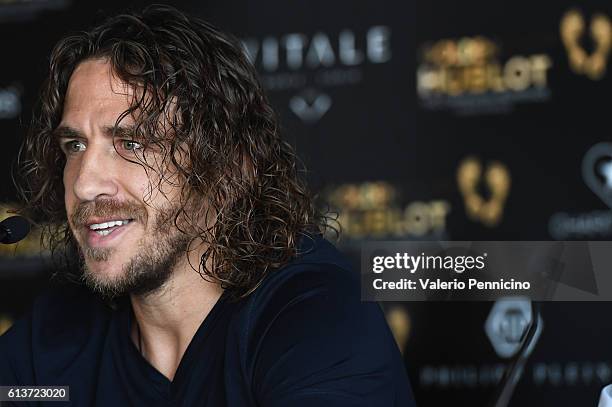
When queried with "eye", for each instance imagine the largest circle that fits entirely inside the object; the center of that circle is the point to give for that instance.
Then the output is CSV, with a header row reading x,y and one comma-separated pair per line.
x,y
131,145
73,146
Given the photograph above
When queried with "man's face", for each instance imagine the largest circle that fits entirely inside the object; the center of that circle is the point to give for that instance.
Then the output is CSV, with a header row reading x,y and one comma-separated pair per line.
x,y
120,213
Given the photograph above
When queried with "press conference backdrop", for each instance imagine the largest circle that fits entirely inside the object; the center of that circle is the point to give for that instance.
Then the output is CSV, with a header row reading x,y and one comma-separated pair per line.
x,y
472,120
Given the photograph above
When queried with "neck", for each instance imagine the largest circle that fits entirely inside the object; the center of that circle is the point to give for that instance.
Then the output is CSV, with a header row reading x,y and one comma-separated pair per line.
x,y
167,319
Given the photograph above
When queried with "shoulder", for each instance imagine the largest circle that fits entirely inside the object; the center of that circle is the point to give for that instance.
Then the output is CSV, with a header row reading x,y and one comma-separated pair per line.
x,y
306,327
319,278
48,316
319,267
65,314
60,322
16,354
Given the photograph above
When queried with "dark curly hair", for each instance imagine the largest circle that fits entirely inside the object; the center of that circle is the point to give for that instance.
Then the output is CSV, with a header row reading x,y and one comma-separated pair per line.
x,y
197,79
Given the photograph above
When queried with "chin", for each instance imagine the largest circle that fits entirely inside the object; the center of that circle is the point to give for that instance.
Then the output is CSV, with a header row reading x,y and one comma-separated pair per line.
x,y
105,270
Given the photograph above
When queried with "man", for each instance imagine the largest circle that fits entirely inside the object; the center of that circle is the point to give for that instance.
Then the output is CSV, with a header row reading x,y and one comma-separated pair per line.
x,y
157,161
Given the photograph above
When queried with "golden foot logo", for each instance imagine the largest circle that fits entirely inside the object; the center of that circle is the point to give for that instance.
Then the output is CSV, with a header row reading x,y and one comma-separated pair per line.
x,y
399,322
572,29
497,180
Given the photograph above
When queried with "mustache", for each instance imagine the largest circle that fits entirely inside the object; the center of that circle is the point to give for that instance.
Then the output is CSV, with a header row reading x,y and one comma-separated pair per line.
x,y
107,208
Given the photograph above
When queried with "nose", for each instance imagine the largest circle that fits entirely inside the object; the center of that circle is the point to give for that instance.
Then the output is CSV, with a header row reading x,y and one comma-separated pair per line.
x,y
96,176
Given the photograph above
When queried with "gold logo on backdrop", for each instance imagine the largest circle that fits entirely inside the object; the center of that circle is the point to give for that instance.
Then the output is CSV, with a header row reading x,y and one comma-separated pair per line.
x,y
5,323
496,176
373,210
399,322
472,65
572,29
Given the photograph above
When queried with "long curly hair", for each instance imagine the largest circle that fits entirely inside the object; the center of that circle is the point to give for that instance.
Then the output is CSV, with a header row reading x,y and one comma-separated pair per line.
x,y
198,80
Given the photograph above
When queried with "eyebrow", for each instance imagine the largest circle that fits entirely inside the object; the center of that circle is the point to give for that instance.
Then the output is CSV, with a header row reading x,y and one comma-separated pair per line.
x,y
67,132
127,131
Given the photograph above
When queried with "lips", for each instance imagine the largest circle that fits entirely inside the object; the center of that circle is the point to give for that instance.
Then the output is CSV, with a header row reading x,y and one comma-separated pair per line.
x,y
103,234
104,228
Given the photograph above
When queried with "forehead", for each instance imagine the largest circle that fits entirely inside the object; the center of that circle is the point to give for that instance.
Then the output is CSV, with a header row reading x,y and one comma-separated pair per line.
x,y
94,92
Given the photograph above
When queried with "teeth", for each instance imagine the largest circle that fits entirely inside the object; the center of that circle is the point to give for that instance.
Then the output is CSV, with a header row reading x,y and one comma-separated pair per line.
x,y
106,225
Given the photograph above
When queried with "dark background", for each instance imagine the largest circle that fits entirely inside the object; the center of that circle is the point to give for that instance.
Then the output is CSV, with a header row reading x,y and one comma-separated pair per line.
x,y
382,155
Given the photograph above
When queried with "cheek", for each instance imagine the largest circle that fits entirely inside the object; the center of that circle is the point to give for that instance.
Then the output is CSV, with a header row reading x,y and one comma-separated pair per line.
x,y
135,182
149,186
68,179
171,190
161,195
139,179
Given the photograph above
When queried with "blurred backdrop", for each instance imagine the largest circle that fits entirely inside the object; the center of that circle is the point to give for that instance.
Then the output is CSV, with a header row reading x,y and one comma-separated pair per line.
x,y
426,119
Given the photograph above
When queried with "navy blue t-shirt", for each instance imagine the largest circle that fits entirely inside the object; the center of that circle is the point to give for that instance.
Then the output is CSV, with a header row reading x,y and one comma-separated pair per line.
x,y
302,339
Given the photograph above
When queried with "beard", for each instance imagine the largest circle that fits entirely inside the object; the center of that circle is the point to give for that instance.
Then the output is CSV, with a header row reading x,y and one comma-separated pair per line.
x,y
159,251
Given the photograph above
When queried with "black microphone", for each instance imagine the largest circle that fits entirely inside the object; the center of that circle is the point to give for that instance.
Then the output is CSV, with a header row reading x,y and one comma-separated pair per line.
x,y
13,229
